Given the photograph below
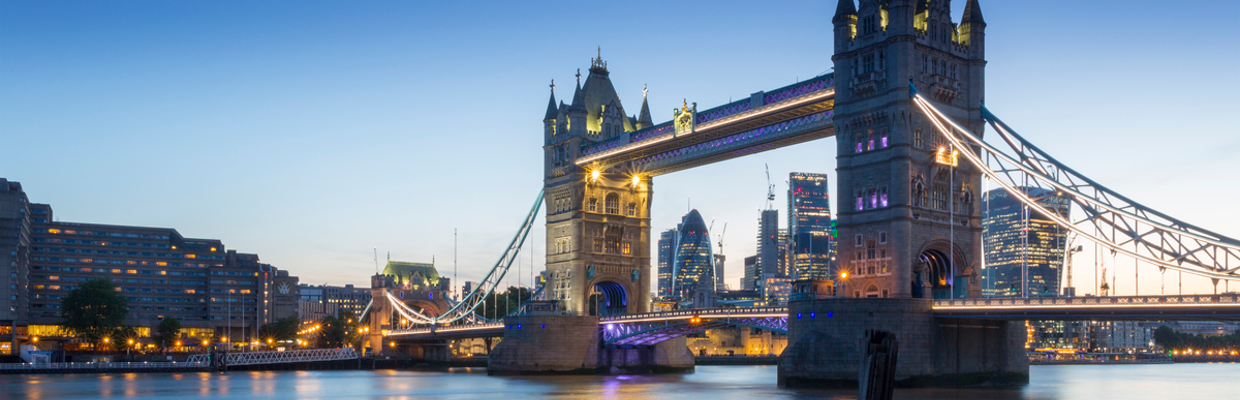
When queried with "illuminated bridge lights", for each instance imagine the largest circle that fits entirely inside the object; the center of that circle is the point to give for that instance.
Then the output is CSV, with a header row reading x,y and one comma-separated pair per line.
x,y
783,99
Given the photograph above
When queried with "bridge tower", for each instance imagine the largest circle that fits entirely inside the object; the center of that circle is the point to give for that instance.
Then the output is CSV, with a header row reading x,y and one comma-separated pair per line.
x,y
598,220
908,224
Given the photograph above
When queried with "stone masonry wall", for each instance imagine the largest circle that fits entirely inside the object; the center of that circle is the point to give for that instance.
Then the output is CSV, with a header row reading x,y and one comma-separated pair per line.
x,y
826,340
541,344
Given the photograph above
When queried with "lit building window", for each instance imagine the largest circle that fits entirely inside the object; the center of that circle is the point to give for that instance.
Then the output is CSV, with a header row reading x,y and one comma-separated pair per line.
x,y
613,204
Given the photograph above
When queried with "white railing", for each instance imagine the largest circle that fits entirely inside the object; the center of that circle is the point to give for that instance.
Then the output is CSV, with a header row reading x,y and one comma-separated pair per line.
x,y
103,365
278,357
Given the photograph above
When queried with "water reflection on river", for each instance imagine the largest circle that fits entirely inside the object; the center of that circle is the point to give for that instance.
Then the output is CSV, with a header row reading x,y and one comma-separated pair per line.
x,y
1164,381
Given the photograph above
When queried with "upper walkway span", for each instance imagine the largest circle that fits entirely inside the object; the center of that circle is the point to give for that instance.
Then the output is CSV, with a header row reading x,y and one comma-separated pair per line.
x,y
764,121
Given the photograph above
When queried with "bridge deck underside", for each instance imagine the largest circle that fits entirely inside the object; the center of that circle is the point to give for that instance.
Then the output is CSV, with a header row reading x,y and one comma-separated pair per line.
x,y
649,333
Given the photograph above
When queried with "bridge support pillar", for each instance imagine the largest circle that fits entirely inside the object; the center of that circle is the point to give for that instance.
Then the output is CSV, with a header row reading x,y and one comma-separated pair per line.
x,y
826,341
564,344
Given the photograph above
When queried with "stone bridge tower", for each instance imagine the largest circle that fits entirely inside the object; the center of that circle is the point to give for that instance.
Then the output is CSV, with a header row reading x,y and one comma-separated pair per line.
x,y
598,220
909,222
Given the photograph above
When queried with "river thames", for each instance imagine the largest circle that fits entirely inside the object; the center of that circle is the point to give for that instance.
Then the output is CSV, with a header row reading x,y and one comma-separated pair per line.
x,y
1092,382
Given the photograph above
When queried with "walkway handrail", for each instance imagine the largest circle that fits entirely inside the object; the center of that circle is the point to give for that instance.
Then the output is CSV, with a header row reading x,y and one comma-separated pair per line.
x,y
999,302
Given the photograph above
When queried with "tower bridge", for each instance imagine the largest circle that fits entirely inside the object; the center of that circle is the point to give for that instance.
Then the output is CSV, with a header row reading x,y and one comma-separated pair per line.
x,y
905,107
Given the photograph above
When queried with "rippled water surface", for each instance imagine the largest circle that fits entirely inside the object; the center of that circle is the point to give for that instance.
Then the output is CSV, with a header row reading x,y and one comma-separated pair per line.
x,y
1166,381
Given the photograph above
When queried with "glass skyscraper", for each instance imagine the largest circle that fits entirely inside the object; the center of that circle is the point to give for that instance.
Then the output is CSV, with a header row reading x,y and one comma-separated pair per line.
x,y
667,256
694,263
809,225
1017,237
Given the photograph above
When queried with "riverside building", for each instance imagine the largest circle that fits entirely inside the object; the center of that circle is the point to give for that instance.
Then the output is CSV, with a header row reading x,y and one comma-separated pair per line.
x,y
214,292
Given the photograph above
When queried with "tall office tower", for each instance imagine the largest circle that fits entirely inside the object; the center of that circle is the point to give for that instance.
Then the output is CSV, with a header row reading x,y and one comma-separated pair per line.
x,y
1018,237
768,243
785,254
809,225
694,265
752,273
667,256
719,276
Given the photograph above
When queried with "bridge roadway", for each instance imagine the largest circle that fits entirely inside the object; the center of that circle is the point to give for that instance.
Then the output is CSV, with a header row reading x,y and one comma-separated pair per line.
x,y
650,328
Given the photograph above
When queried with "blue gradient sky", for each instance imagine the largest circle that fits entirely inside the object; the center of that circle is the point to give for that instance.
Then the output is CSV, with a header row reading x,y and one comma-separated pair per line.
x,y
311,132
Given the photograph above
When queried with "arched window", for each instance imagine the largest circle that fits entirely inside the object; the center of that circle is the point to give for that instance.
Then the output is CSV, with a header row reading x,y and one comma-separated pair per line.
x,y
592,205
871,291
613,204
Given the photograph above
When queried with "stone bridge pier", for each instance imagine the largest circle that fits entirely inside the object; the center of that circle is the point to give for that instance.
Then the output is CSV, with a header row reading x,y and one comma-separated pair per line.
x,y
826,339
565,344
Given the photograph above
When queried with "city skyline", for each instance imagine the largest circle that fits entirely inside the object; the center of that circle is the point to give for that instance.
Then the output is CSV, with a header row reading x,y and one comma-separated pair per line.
x,y
327,134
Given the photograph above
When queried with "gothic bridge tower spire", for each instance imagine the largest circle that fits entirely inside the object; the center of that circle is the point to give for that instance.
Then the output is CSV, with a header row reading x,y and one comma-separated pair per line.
x,y
598,219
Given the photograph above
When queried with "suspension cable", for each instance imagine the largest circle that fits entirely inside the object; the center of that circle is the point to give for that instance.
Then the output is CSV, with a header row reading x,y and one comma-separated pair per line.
x,y
939,119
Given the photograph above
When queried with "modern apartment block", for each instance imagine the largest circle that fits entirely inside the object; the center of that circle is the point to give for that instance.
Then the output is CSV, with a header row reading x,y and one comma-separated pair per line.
x,y
341,298
212,290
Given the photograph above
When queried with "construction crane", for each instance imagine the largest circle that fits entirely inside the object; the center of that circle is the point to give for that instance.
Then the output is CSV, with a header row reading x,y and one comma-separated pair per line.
x,y
770,191
719,256
1073,248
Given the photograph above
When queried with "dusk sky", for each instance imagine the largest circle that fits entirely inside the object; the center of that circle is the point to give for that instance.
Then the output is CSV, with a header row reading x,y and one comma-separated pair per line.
x,y
312,132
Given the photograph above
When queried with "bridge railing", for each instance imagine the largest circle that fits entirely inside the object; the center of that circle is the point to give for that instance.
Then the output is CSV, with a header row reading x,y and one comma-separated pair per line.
x,y
700,312
448,328
1090,301
277,357
101,365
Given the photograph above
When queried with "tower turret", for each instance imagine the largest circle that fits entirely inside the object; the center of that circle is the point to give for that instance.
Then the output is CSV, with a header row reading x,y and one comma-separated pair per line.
x,y
973,29
577,111
549,120
845,21
643,119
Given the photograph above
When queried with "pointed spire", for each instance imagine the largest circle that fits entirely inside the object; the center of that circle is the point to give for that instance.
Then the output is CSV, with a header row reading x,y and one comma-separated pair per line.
x,y
844,9
972,14
579,99
551,109
643,118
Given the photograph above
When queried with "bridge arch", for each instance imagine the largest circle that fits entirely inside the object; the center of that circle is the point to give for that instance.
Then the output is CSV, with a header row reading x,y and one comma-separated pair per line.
x,y
609,297
938,270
